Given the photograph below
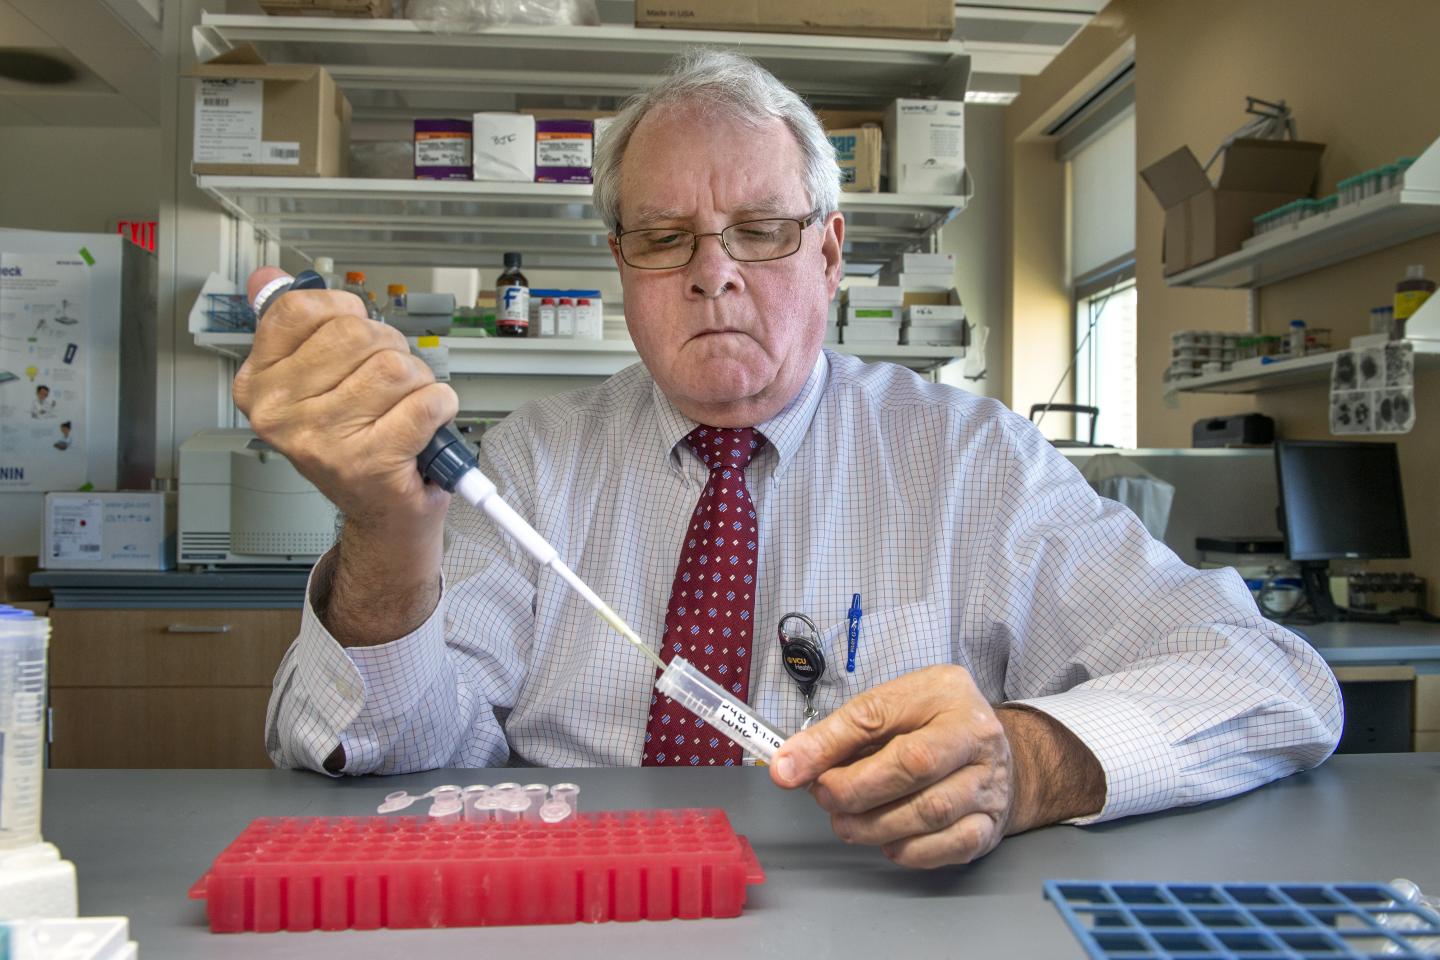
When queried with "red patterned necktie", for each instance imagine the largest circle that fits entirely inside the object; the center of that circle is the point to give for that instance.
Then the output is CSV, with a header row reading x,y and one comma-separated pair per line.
x,y
708,621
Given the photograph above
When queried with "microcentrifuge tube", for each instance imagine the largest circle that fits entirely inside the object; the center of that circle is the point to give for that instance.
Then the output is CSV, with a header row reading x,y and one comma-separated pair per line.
x,y
395,802
506,808
474,798
448,791
568,792
554,811
445,810
534,799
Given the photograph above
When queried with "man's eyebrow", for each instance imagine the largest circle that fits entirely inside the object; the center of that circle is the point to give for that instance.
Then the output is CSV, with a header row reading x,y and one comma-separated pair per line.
x,y
767,205
646,215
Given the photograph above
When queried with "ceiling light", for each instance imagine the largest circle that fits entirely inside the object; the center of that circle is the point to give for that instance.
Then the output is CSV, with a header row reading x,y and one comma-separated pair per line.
x,y
990,96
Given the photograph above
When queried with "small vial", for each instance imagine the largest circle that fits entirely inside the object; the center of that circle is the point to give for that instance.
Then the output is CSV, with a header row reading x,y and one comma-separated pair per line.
x,y
446,810
587,321
565,317
503,798
473,799
569,793
547,317
554,811
395,802
534,798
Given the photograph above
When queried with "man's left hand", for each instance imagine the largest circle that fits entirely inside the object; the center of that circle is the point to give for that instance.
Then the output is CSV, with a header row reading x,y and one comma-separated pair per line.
x,y
925,768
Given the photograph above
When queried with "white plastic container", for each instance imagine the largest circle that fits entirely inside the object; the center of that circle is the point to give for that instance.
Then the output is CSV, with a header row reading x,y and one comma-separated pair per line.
x,y
23,641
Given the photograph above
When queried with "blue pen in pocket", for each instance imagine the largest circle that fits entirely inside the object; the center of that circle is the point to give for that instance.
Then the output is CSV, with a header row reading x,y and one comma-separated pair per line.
x,y
853,641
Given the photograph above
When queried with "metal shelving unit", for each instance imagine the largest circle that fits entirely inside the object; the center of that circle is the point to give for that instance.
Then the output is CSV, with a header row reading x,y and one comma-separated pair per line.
x,y
462,223
588,358
397,68
1404,213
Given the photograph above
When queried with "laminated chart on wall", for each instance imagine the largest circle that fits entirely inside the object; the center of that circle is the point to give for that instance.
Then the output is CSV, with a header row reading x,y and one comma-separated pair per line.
x,y
45,329
1373,390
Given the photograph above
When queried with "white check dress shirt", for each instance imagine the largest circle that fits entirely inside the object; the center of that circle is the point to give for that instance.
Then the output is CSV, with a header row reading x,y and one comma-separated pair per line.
x,y
969,538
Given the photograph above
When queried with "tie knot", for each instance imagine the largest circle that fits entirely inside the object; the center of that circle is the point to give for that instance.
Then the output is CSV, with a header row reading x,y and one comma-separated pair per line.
x,y
720,448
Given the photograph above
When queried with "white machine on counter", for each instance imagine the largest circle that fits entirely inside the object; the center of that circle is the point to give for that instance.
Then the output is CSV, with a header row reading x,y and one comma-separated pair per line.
x,y
243,503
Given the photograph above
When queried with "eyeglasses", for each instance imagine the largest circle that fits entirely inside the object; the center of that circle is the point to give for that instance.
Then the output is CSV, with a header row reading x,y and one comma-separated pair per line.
x,y
751,241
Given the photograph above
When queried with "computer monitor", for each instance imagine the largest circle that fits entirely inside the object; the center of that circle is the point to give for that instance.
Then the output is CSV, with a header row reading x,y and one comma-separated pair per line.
x,y
1339,501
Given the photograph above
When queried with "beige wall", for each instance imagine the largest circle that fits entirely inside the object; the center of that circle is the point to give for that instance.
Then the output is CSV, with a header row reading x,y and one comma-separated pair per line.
x,y
1359,79
78,178
1039,336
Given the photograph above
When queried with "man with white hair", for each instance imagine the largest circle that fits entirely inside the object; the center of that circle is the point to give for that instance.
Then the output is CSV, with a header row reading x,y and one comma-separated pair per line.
x,y
1028,654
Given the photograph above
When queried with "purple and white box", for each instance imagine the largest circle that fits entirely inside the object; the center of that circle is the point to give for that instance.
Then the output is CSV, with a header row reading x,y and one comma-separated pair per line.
x,y
564,150
442,149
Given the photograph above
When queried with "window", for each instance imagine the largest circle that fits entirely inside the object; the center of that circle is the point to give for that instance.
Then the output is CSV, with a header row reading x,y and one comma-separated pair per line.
x,y
1102,256
1105,367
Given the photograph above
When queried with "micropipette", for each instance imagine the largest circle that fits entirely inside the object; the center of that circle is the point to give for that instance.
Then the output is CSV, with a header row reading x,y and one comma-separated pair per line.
x,y
449,462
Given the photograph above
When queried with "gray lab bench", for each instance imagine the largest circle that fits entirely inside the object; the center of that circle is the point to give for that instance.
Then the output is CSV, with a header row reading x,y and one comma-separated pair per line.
x,y
1342,644
140,838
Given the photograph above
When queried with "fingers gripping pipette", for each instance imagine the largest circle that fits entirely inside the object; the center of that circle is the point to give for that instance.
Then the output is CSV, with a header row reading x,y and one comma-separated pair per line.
x,y
448,461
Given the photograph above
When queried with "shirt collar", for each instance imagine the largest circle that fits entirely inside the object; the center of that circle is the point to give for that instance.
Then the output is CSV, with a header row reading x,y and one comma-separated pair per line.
x,y
784,432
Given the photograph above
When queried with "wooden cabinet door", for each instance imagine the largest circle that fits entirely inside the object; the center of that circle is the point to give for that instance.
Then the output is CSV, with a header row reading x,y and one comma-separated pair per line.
x,y
164,688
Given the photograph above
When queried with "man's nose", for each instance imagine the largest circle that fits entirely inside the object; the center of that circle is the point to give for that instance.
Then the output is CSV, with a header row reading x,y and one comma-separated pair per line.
x,y
711,270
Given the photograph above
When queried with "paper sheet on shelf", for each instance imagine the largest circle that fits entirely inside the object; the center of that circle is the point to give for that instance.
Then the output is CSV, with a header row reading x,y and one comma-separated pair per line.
x,y
1373,390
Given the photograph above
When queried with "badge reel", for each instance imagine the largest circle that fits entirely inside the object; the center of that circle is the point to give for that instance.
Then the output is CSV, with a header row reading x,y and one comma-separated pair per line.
x,y
800,653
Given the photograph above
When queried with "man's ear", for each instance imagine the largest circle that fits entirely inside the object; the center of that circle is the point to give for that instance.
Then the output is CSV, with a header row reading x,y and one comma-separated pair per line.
x,y
832,248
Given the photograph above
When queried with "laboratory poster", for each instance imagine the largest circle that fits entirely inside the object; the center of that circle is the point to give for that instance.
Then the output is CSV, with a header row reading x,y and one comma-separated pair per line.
x,y
45,326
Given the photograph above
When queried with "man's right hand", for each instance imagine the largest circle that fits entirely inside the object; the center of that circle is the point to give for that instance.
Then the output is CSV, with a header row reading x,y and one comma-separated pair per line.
x,y
345,401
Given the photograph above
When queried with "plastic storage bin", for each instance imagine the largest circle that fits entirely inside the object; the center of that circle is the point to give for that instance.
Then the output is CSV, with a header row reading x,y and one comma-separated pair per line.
x,y
362,873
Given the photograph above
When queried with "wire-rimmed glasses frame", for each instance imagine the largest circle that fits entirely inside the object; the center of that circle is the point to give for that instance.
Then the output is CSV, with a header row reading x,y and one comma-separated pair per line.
x,y
733,240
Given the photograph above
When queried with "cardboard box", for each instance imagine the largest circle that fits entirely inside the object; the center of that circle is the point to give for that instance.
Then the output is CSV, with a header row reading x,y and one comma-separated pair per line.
x,y
912,19
564,150
926,144
328,8
15,580
123,530
841,119
257,119
857,150
504,145
1205,221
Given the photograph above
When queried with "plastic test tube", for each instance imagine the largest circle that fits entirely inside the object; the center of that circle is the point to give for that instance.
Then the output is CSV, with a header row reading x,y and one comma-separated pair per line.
x,y
475,798
504,799
23,639
706,699
534,798
563,804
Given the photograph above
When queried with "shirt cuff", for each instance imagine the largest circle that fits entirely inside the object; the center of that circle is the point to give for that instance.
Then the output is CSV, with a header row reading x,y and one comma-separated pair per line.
x,y
354,690
1139,766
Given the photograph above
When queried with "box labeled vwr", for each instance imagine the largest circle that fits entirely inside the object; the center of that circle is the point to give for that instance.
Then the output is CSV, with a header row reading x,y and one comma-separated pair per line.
x,y
254,118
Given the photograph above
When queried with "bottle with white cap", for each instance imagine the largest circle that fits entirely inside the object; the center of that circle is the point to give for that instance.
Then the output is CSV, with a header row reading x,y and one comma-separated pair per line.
x,y
326,268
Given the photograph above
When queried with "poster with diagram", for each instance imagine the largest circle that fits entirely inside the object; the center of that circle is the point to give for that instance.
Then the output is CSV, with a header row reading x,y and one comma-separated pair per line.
x,y
1373,390
45,327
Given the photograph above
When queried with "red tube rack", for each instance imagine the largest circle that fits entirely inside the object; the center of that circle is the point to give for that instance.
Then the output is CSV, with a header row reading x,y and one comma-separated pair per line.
x,y
363,873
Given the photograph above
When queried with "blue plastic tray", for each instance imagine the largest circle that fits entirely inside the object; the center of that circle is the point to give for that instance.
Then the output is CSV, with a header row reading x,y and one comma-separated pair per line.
x,y
1243,921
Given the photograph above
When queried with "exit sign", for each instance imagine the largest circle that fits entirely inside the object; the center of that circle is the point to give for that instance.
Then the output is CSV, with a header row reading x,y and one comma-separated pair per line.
x,y
141,232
